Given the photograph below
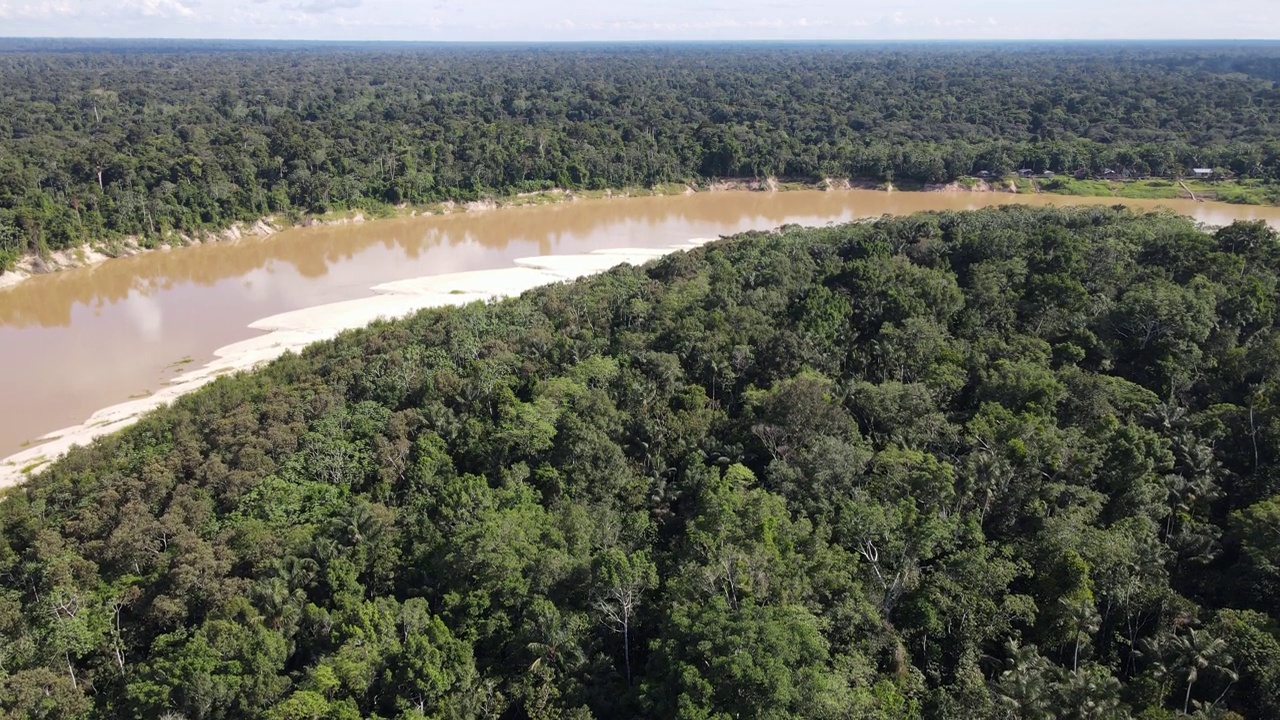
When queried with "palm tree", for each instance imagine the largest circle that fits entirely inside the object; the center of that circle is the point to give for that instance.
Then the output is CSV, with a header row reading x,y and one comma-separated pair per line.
x,y
555,645
324,549
1091,694
281,607
1025,688
1156,650
298,572
360,525
1195,653
1082,620
553,642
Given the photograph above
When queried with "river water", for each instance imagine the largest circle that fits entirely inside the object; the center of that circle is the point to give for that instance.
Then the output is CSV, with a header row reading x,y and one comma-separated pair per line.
x,y
75,341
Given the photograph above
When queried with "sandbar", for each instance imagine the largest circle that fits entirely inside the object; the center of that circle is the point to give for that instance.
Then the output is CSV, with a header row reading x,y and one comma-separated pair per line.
x,y
292,331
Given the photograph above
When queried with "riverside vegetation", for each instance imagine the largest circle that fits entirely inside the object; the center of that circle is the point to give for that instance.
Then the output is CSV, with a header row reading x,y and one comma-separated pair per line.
x,y
1016,463
154,139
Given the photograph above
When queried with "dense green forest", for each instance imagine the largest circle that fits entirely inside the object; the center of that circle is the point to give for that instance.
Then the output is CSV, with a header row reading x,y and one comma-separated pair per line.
x,y
1017,463
100,140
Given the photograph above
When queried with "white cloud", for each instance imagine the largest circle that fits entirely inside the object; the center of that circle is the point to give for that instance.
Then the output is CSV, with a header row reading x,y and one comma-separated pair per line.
x,y
318,7
650,19
160,8
111,10
37,11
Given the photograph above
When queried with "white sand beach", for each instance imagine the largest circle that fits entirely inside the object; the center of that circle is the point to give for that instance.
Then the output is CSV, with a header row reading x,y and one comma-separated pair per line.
x,y
293,331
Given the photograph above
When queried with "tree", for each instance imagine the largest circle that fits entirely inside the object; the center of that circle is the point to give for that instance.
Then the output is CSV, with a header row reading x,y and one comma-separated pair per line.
x,y
753,662
1025,687
1091,693
1257,530
623,579
435,670
1082,620
555,645
1192,654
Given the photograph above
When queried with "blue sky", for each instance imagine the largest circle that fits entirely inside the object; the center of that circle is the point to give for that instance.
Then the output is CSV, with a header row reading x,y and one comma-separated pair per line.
x,y
643,19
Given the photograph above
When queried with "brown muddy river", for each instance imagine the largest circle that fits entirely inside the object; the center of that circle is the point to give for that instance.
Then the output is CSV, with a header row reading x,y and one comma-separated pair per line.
x,y
79,340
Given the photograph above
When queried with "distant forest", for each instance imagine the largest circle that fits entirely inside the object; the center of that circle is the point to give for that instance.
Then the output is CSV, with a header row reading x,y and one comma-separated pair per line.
x,y
1018,464
103,139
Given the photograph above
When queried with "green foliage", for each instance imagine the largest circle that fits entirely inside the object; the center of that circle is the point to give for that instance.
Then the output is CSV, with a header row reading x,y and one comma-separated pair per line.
x,y
1246,193
1148,189
1012,463
1070,186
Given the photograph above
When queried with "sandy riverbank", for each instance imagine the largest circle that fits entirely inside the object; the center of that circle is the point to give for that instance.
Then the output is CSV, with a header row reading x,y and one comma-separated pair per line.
x,y
83,256
91,254
293,331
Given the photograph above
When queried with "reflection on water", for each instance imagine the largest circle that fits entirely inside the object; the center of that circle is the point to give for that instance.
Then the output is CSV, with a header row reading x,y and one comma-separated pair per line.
x,y
75,341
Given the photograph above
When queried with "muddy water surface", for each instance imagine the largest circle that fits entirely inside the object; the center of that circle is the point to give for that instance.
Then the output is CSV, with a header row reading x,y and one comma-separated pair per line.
x,y
79,340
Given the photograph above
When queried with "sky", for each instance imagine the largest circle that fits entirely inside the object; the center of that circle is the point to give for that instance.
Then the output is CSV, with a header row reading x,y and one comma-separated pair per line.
x,y
575,20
